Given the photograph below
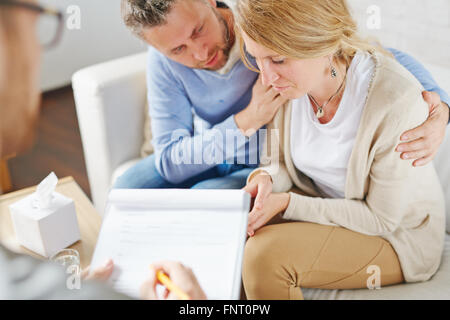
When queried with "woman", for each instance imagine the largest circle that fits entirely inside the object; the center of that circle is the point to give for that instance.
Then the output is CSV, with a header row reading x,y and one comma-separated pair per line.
x,y
359,207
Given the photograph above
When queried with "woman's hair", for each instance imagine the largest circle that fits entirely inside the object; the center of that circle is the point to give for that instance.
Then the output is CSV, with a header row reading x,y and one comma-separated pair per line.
x,y
302,29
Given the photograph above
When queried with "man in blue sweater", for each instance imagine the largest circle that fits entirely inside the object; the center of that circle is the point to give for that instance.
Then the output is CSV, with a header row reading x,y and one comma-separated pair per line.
x,y
204,102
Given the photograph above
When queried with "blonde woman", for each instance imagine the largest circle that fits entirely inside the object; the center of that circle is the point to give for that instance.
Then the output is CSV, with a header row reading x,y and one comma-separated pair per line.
x,y
358,206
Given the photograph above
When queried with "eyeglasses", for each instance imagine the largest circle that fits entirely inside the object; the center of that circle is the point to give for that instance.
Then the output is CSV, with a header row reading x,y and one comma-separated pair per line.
x,y
50,24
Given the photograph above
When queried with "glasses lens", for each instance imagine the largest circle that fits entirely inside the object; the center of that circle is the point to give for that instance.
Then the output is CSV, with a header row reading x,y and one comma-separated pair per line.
x,y
47,29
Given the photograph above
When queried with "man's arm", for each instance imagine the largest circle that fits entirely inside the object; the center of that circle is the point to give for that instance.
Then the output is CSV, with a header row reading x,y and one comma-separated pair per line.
x,y
180,153
425,139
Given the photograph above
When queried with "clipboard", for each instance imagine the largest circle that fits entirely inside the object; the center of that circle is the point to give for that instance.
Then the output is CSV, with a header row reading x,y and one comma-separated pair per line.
x,y
203,229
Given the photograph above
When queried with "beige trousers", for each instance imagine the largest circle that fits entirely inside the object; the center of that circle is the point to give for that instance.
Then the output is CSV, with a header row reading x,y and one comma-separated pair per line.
x,y
280,259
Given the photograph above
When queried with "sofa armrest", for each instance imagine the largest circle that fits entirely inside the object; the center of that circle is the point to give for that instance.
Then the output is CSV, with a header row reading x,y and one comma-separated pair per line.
x,y
110,101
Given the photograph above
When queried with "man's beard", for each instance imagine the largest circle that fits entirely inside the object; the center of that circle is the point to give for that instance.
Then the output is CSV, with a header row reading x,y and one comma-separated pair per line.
x,y
226,36
226,47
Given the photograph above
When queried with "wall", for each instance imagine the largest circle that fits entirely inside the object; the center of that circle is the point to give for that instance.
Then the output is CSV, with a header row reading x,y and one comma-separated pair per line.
x,y
420,28
102,37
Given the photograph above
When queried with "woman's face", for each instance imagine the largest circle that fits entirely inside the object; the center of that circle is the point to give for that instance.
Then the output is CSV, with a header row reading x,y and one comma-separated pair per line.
x,y
292,78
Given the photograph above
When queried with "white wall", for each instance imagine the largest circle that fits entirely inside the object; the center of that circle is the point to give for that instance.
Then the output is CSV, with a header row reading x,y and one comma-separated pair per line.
x,y
102,37
420,28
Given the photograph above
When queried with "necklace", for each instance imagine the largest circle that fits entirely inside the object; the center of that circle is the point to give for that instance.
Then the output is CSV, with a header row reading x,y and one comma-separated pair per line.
x,y
320,112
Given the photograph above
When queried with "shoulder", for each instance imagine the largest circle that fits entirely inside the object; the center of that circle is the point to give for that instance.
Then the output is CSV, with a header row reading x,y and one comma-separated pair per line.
x,y
395,97
161,71
154,57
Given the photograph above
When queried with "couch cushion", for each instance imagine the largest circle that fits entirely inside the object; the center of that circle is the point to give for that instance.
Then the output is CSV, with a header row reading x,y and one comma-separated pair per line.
x,y
147,146
442,165
122,168
441,74
438,287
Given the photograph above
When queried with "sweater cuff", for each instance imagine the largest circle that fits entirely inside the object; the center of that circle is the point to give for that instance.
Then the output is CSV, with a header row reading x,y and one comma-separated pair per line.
x,y
304,208
255,173
230,124
241,146
279,175
290,213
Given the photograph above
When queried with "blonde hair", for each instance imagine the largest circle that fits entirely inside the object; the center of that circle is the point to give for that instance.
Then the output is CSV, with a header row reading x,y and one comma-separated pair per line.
x,y
302,29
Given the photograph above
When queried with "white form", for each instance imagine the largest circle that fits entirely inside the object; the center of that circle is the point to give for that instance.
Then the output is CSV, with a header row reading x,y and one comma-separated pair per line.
x,y
203,229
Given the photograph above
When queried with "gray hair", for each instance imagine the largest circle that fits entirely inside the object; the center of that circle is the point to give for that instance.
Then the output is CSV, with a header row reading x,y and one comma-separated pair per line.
x,y
140,14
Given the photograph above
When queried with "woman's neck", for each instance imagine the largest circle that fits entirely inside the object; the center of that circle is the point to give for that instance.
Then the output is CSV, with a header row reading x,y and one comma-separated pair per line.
x,y
329,87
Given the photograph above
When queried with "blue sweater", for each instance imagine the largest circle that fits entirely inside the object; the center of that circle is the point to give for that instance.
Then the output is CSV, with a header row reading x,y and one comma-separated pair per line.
x,y
176,93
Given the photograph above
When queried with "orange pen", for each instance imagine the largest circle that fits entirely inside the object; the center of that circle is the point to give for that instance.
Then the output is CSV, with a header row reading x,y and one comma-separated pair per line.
x,y
165,280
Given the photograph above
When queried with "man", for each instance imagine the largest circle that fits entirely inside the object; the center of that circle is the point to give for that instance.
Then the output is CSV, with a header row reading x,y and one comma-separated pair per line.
x,y
199,88
22,277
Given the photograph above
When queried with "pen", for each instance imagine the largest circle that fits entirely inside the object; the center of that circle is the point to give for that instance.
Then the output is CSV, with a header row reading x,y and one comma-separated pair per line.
x,y
165,280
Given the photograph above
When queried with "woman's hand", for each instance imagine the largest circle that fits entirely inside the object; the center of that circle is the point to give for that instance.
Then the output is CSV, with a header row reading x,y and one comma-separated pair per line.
x,y
100,274
426,139
181,276
274,204
260,187
262,108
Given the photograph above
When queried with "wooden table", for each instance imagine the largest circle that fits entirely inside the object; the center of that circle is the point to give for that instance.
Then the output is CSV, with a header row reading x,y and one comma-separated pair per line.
x,y
5,177
89,220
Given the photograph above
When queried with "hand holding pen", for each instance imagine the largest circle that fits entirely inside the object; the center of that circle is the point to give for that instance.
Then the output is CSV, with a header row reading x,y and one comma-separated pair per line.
x,y
179,281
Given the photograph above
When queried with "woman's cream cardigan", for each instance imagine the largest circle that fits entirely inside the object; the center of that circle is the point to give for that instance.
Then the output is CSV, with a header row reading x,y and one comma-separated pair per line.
x,y
384,195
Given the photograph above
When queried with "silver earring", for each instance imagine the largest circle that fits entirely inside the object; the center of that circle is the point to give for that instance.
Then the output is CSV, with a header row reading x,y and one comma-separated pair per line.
x,y
333,70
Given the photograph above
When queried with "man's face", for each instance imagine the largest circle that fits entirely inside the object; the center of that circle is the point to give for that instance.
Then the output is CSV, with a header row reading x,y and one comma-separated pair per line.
x,y
19,74
195,35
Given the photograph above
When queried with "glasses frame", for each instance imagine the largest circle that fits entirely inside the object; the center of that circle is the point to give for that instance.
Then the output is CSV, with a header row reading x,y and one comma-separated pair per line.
x,y
41,10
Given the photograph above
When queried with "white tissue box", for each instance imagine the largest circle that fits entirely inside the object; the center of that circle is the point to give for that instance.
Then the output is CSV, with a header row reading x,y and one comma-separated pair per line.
x,y
45,231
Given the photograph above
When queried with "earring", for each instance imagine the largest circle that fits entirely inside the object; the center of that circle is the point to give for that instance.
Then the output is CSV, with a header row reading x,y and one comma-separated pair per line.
x,y
333,70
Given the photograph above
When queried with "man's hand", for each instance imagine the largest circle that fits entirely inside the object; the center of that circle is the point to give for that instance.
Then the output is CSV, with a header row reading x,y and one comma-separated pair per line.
x,y
426,139
262,108
180,275
100,274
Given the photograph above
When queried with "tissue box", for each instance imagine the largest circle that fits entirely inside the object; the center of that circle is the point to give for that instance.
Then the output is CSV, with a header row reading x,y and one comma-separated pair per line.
x,y
45,231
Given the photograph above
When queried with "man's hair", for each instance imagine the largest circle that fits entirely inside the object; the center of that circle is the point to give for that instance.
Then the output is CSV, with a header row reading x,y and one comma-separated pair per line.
x,y
140,14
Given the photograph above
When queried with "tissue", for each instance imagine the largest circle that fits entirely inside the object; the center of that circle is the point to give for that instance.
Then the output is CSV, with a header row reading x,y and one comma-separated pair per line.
x,y
45,222
44,192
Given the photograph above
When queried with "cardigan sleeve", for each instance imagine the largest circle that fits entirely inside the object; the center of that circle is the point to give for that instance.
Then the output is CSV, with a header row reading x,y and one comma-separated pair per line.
x,y
391,179
272,161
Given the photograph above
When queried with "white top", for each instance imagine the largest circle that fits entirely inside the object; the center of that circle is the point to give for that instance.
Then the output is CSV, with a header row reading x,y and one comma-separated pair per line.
x,y
322,151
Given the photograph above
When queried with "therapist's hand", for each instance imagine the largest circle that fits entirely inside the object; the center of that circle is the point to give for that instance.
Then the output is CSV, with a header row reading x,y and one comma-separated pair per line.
x,y
259,187
100,274
180,275
426,139
274,204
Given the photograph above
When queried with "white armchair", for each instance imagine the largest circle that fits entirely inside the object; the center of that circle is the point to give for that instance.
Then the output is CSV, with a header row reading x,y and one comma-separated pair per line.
x,y
110,101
